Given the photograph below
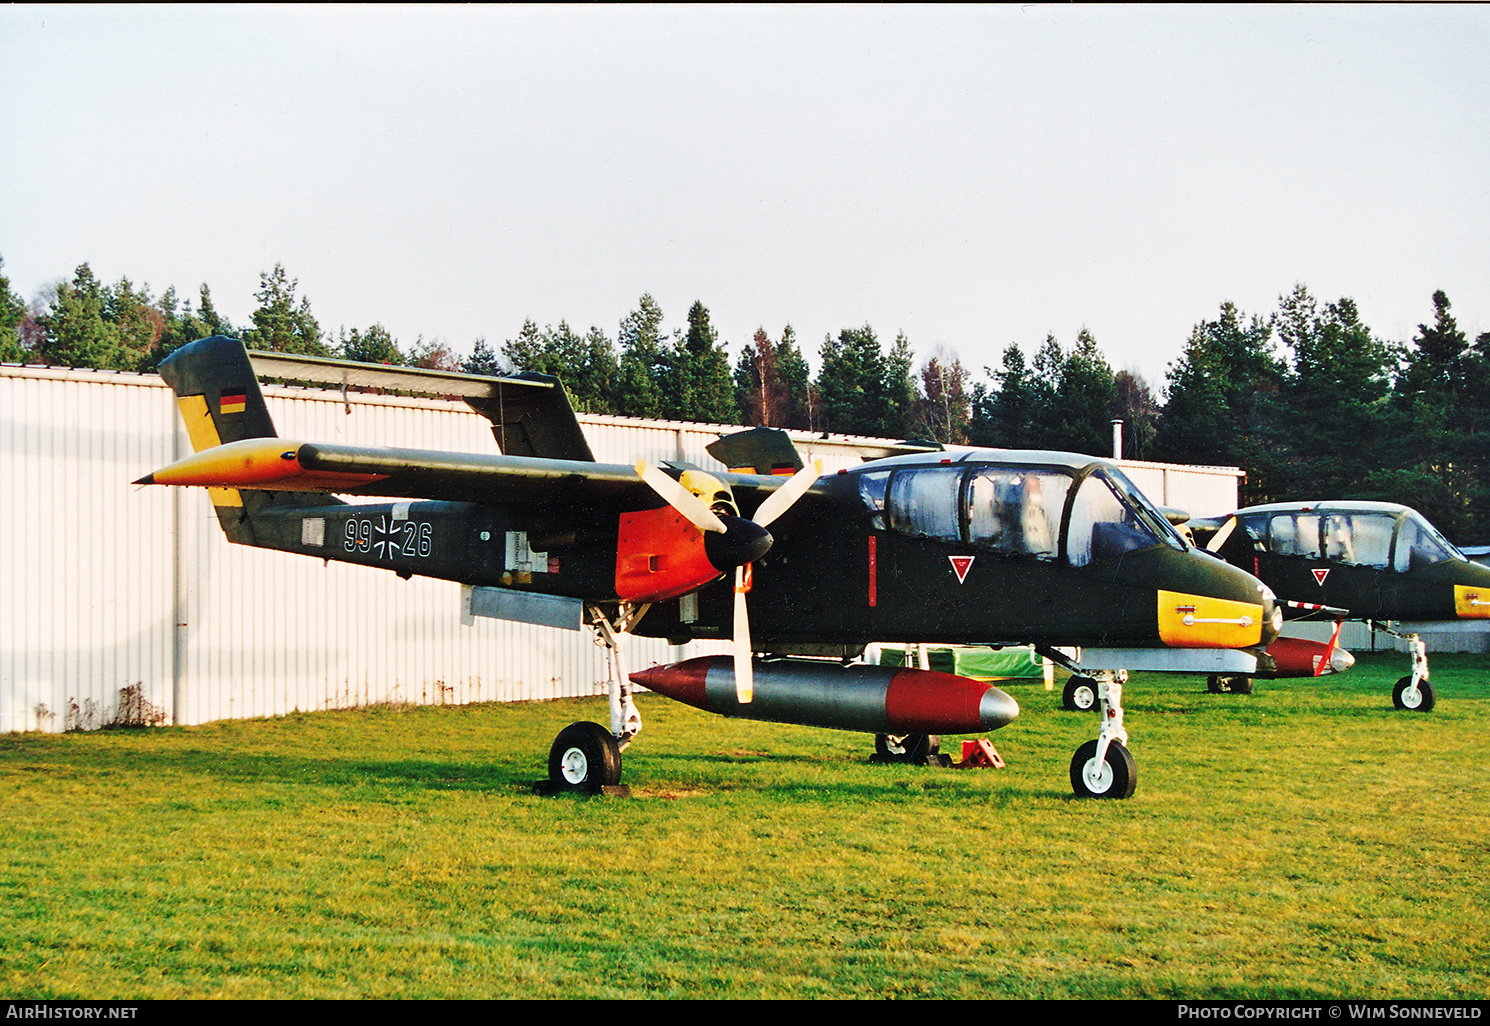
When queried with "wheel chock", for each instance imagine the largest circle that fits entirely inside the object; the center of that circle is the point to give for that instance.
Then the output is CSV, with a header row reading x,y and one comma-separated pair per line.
x,y
979,754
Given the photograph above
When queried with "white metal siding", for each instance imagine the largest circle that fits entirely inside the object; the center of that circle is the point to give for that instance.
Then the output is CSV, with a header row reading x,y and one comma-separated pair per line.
x,y
107,586
1199,491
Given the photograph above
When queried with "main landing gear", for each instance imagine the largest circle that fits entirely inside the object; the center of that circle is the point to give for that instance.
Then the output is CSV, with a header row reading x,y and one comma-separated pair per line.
x,y
1080,693
586,757
906,748
1228,684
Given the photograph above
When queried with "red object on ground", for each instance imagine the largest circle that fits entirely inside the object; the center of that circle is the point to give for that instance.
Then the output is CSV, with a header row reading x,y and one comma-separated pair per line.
x,y
980,754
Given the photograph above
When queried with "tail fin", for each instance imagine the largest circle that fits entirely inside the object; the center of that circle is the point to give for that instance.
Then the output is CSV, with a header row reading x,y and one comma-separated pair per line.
x,y
217,392
220,401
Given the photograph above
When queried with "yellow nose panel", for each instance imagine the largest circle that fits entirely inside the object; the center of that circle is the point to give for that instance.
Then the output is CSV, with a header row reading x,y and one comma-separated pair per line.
x,y
1198,621
1472,602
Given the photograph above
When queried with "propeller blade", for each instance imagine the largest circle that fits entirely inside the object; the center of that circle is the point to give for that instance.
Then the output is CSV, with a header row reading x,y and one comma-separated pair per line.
x,y
782,499
744,670
680,498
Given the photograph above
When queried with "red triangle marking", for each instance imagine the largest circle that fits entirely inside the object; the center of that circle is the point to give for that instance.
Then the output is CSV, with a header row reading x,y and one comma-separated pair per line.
x,y
1320,574
960,565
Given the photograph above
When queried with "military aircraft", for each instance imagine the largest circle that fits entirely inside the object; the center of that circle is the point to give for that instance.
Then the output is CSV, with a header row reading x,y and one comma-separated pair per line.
x,y
1378,562
976,547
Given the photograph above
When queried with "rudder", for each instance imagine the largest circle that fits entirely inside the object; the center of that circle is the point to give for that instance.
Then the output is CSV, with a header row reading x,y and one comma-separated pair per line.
x,y
220,401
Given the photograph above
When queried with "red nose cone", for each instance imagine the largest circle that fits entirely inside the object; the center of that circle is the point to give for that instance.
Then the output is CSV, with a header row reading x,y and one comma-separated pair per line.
x,y
682,682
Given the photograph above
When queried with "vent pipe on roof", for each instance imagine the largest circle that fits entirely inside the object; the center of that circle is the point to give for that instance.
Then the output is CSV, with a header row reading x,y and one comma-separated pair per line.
x,y
1117,439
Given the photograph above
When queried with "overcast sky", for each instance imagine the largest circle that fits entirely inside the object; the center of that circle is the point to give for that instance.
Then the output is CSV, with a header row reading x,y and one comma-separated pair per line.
x,y
970,176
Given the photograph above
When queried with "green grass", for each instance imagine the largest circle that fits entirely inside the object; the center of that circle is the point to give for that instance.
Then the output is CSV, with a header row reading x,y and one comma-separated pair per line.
x,y
1305,841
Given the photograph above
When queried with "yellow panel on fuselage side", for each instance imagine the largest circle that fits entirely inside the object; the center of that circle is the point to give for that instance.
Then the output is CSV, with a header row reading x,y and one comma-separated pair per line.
x,y
1471,603
1199,621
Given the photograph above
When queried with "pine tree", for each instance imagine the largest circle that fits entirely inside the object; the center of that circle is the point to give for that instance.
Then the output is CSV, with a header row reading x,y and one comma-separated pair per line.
x,y
375,345
1329,426
1003,416
851,381
803,404
644,364
12,313
1435,455
280,325
483,360
1086,397
1222,397
74,332
897,392
700,384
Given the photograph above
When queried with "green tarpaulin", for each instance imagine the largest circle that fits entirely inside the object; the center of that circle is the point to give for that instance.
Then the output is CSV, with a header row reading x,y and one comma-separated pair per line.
x,y
979,663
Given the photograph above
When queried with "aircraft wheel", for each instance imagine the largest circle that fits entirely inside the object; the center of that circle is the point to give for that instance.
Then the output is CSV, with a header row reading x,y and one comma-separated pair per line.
x,y
913,748
584,758
1080,694
1115,777
1228,685
1422,702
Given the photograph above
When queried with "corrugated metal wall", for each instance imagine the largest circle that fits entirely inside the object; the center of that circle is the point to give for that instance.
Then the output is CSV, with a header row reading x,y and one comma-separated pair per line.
x,y
124,603
1199,491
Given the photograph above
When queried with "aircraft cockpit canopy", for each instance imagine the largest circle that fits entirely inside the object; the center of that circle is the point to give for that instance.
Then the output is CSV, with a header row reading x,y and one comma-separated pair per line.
x,y
1081,515
1397,539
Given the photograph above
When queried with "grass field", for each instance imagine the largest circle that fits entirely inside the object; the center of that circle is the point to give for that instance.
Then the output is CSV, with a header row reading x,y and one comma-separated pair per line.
x,y
1306,841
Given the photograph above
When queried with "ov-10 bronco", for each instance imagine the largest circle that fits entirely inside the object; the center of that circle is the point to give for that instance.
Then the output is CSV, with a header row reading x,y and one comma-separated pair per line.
x,y
1378,562
971,548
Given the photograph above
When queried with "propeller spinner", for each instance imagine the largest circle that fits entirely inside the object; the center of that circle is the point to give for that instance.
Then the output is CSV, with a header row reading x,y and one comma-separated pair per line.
x,y
742,550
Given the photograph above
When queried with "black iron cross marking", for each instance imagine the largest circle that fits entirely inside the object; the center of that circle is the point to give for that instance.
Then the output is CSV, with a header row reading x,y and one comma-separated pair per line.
x,y
386,537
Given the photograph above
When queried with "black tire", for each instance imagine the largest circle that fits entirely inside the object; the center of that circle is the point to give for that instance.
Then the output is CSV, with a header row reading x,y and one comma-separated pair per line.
x,y
1425,696
1118,778
1228,685
1080,694
912,748
584,758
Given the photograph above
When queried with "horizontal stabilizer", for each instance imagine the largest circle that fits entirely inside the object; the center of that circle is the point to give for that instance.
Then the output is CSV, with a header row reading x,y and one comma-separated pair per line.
x,y
760,450
530,413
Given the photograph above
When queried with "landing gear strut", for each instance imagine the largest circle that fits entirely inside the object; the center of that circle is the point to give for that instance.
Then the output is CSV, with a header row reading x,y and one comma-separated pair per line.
x,y
1412,693
1104,768
586,757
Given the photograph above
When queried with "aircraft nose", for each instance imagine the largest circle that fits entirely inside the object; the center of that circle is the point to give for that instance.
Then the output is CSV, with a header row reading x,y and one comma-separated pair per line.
x,y
743,541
